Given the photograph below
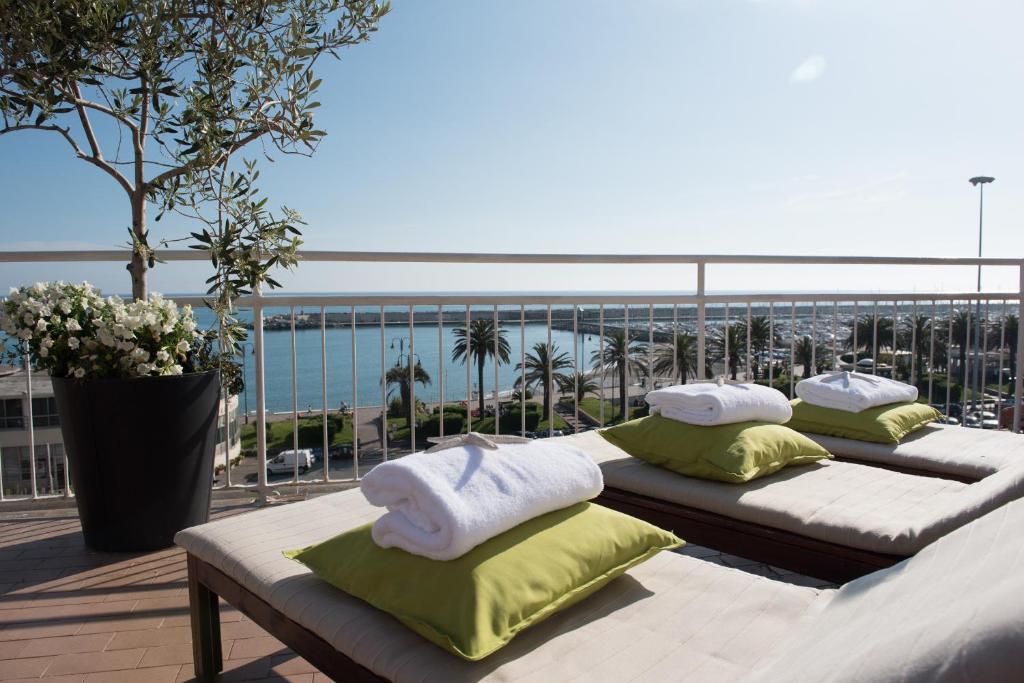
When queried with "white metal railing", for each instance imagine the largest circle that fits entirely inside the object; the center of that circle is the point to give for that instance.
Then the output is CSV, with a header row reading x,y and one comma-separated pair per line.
x,y
726,331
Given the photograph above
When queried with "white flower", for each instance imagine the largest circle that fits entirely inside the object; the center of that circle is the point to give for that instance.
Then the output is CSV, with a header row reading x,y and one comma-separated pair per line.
x,y
162,356
183,347
144,368
47,342
73,326
73,342
44,352
25,334
28,318
80,372
174,370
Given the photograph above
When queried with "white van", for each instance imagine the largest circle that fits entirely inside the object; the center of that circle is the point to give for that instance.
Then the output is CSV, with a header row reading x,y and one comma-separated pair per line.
x,y
284,462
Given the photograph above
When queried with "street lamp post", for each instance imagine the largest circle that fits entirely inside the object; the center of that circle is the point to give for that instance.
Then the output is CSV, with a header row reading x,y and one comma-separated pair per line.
x,y
978,375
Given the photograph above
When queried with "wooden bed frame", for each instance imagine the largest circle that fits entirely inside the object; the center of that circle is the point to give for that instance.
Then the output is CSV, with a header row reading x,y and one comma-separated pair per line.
x,y
206,584
820,559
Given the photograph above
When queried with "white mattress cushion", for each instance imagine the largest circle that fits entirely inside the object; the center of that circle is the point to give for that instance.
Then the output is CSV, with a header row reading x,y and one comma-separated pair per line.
x,y
951,613
850,504
942,449
671,618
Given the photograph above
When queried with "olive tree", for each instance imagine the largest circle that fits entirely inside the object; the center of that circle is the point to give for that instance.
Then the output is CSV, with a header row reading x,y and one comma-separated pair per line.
x,y
164,96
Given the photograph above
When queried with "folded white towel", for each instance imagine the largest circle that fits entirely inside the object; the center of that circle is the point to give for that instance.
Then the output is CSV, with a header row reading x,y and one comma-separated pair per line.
x,y
443,504
719,404
853,391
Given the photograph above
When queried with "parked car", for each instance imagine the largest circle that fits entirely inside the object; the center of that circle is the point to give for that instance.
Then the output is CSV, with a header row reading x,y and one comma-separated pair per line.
x,y
285,461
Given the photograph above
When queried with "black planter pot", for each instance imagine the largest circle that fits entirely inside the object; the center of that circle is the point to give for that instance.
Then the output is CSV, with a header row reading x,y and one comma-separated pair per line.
x,y
140,453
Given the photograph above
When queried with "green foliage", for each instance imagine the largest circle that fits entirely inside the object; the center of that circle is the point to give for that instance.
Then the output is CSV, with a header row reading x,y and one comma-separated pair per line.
x,y
311,434
453,424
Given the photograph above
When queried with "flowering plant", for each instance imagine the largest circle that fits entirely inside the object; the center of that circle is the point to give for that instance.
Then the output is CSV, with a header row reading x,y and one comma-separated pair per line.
x,y
73,331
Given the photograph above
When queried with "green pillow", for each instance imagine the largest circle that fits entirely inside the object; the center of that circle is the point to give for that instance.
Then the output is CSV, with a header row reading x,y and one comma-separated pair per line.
x,y
474,604
734,453
882,424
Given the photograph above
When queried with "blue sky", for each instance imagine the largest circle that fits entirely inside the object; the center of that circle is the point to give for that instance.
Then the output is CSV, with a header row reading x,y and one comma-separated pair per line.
x,y
726,126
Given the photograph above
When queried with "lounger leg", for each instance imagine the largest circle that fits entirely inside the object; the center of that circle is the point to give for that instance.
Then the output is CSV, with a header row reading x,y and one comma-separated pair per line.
x,y
205,611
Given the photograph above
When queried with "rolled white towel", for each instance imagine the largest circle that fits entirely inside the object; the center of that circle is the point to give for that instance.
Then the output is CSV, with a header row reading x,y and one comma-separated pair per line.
x,y
718,404
853,391
443,504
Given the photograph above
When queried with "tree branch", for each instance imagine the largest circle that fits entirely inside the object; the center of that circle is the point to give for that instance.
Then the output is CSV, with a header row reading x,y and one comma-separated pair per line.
x,y
86,125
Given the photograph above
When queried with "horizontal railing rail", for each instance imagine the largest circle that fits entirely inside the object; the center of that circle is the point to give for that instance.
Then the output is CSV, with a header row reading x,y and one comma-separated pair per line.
x,y
947,343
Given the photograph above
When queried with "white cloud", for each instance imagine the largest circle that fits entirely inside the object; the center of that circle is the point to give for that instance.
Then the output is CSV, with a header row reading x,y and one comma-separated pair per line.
x,y
809,70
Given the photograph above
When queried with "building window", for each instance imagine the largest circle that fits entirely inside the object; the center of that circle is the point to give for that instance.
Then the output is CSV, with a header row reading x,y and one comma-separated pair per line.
x,y
10,414
44,412
16,470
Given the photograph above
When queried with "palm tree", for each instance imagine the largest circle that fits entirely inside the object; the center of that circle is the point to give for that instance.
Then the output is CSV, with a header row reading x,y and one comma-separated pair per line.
x,y
737,343
807,354
916,334
1010,340
542,371
478,344
399,375
684,353
866,339
578,383
761,333
618,356
960,321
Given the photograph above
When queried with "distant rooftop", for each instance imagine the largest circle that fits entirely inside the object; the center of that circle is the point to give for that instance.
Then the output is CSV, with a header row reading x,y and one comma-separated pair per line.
x,y
12,382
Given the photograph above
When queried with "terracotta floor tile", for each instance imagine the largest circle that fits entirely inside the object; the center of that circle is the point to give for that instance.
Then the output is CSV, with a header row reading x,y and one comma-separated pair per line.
x,y
70,678
24,668
66,645
151,638
290,664
94,662
11,649
39,630
126,623
161,655
158,674
247,648
237,630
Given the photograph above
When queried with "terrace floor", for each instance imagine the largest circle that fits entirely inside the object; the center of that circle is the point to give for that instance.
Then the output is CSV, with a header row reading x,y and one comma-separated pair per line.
x,y
73,615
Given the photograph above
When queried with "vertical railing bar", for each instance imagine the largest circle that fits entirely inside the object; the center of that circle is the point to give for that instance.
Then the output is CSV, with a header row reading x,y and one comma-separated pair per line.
x,y
440,370
749,378
469,378
323,389
969,325
913,344
295,397
1018,382
226,399
675,345
261,402
31,423
949,363
856,324
792,347
814,339
522,370
931,351
725,342
624,409
355,403
383,394
771,343
1002,344
497,360
835,334
49,468
549,383
411,408
600,359
982,371
895,320
874,339
575,369
701,319
650,347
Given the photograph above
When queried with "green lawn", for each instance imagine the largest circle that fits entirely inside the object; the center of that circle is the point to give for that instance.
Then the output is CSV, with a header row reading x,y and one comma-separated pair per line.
x,y
279,434
592,406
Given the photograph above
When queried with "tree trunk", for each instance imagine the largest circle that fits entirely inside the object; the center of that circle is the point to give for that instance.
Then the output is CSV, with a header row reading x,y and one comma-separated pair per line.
x,y
623,392
138,265
480,381
734,368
